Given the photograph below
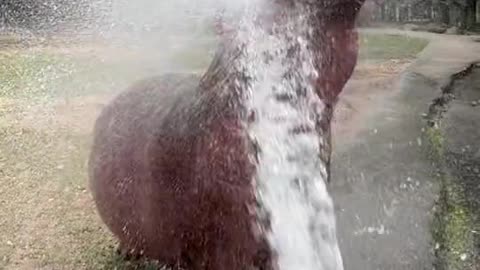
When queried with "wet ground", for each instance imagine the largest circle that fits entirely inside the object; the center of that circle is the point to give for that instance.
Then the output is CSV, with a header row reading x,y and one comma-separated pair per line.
x,y
386,186
383,186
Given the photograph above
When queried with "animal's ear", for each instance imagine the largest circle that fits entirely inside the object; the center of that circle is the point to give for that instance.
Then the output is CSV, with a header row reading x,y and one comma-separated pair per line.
x,y
338,61
339,48
342,11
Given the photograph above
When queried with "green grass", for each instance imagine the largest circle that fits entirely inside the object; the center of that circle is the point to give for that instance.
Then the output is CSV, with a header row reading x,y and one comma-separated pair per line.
x,y
28,74
51,219
43,75
386,47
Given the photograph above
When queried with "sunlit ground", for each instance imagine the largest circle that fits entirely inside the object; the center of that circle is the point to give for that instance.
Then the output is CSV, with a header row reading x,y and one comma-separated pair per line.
x,y
49,98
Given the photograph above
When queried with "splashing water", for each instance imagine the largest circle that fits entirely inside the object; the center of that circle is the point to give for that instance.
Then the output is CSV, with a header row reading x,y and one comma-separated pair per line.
x,y
290,174
151,22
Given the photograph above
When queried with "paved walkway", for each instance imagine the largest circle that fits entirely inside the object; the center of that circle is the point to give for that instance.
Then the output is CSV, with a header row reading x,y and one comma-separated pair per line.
x,y
382,183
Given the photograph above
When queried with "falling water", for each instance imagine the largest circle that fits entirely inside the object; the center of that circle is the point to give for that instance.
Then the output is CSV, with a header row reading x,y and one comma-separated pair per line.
x,y
290,175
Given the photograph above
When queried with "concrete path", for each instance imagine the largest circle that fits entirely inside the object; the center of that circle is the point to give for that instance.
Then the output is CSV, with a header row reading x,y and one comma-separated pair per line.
x,y
382,183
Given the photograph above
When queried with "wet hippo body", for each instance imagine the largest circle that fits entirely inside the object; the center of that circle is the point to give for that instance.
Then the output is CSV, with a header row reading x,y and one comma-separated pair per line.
x,y
175,179
180,173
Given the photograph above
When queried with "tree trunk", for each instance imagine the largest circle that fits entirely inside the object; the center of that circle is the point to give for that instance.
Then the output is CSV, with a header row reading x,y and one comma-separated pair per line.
x,y
382,12
470,14
409,12
477,8
450,12
397,12
442,15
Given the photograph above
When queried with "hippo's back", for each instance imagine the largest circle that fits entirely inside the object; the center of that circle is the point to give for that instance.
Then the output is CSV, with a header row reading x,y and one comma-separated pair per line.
x,y
121,180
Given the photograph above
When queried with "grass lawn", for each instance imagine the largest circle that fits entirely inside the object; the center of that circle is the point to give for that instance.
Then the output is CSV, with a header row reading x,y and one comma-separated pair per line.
x,y
386,47
47,108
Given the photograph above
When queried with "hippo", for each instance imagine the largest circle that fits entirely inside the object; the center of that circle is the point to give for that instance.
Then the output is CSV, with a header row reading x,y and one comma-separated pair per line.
x,y
229,170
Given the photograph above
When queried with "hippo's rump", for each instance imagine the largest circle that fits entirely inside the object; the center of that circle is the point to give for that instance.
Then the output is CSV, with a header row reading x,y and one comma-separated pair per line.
x,y
146,116
170,168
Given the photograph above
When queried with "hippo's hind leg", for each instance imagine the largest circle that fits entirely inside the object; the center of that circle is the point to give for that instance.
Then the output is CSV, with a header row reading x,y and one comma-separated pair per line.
x,y
129,254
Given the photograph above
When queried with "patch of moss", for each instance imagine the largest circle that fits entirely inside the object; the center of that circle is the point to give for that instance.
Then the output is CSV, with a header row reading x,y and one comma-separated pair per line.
x,y
452,223
452,229
436,143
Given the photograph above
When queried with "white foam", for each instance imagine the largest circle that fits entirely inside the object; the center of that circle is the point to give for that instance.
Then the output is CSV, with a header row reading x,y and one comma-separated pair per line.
x,y
302,215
